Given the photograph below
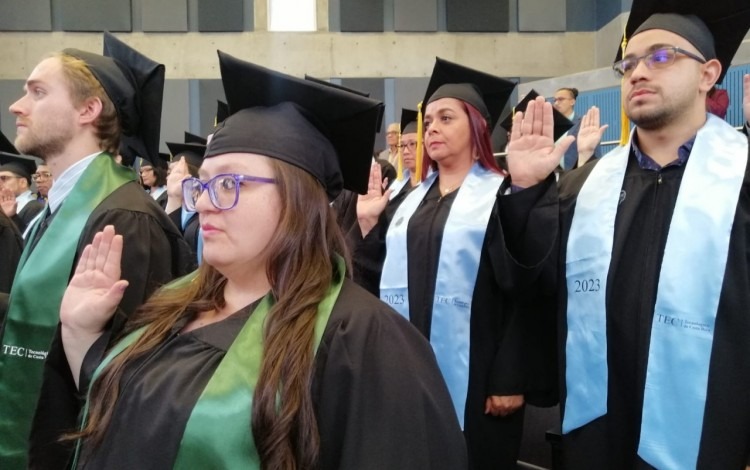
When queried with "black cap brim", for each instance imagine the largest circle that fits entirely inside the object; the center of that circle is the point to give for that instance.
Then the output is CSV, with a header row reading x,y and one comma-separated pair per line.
x,y
485,92
6,145
562,123
191,138
408,121
193,153
279,107
728,21
21,166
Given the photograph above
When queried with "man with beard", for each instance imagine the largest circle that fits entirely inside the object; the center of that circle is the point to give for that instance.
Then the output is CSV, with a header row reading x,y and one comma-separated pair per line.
x,y
79,109
647,249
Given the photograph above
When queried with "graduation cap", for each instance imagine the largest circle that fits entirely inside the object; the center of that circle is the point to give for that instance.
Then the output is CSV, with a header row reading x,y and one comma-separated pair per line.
x,y
135,84
485,92
191,138
340,87
349,90
222,112
321,129
6,146
18,165
562,124
192,152
409,125
716,28
409,121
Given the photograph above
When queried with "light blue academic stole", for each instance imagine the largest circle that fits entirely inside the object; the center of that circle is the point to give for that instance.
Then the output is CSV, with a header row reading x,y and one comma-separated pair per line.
x,y
398,185
463,237
687,300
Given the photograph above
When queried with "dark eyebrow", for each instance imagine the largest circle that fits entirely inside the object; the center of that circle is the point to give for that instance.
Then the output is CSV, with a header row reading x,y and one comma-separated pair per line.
x,y
652,48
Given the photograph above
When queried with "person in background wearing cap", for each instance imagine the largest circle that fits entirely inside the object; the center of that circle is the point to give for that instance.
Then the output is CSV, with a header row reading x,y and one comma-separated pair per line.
x,y
367,254
267,356
186,160
43,180
16,199
651,242
154,179
67,118
438,269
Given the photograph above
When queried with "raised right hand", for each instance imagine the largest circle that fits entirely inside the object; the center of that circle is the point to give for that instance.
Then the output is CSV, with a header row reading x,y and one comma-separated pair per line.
x,y
532,152
96,289
372,204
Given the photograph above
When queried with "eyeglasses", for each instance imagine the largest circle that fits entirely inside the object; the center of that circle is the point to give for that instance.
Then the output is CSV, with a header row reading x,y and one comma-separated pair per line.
x,y
146,169
42,175
411,145
658,59
5,178
223,190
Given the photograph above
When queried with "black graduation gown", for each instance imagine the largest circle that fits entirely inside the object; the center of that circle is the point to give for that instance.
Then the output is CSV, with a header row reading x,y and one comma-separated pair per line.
x,y
504,352
24,217
190,232
541,217
379,397
154,253
11,246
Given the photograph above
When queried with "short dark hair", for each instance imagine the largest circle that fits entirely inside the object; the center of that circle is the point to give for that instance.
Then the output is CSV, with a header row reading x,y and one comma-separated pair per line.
x,y
572,91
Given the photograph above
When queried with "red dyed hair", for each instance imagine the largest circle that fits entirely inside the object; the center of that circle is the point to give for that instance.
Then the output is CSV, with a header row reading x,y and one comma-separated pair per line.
x,y
481,143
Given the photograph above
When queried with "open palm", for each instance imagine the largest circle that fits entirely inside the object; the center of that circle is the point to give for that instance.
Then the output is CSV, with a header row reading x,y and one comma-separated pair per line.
x,y
96,289
532,152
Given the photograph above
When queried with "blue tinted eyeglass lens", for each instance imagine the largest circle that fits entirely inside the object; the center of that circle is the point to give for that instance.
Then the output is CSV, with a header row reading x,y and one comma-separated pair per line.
x,y
661,57
225,191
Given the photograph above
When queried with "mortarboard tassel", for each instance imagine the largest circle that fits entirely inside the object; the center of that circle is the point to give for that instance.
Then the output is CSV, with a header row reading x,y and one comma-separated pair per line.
x,y
420,144
624,121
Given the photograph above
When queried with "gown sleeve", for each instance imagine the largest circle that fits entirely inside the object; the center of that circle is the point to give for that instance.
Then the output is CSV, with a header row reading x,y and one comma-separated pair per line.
x,y
381,400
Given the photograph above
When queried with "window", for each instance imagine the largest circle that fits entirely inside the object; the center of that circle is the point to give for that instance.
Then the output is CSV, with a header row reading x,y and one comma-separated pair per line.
x,y
292,15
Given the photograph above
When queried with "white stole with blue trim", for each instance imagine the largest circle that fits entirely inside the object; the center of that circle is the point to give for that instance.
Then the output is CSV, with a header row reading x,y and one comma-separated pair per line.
x,y
690,284
463,236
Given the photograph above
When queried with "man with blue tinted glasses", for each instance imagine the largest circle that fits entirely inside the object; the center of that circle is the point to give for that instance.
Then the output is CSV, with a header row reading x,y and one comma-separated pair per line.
x,y
647,250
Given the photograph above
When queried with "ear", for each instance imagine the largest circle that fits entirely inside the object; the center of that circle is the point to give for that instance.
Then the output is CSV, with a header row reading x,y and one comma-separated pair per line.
x,y
89,110
710,72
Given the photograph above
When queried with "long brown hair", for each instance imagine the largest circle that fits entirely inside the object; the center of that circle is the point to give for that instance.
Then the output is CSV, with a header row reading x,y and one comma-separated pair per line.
x,y
300,269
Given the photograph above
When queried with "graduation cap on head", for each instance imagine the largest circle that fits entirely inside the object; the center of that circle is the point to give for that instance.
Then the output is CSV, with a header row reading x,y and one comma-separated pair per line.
x,y
222,112
409,125
191,138
18,165
321,129
135,84
192,152
485,92
716,28
562,124
409,121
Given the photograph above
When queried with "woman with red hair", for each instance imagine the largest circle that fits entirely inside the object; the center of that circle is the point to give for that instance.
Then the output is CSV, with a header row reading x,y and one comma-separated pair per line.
x,y
442,266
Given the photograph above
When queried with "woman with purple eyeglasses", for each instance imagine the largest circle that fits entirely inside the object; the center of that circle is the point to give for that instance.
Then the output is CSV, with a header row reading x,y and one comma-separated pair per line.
x,y
266,357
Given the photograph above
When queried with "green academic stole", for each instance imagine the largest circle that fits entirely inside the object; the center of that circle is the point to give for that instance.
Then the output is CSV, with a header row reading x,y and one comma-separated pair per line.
x,y
34,309
218,432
